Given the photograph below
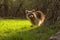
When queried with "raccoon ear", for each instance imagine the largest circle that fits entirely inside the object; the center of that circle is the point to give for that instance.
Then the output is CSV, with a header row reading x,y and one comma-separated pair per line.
x,y
26,11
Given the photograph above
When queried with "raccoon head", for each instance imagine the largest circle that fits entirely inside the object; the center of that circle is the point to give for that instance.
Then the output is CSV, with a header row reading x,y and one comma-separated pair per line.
x,y
30,14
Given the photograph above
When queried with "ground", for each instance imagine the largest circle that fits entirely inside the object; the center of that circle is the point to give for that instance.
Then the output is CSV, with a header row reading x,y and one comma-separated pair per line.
x,y
18,29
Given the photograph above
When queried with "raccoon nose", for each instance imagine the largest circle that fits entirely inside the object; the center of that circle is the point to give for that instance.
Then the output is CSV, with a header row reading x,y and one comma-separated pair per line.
x,y
31,16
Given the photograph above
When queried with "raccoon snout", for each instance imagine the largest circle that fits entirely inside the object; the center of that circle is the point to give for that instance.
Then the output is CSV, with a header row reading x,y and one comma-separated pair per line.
x,y
31,16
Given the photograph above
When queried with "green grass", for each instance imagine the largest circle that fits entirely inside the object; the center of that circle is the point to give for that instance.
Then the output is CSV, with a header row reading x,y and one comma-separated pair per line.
x,y
17,29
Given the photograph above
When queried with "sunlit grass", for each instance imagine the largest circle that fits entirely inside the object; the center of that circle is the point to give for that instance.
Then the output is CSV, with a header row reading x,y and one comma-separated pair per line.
x,y
14,24
17,29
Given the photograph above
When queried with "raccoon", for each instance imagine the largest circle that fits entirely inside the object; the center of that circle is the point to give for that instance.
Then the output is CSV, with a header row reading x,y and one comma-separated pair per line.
x,y
35,17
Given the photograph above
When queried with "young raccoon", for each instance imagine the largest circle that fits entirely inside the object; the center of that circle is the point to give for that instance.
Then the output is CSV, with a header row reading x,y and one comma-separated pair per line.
x,y
35,17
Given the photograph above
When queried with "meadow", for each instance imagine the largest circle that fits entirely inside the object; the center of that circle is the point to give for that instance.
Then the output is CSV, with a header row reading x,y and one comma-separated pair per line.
x,y
18,29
